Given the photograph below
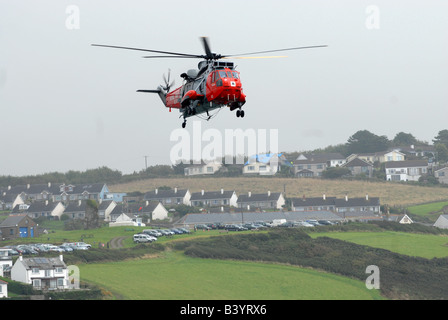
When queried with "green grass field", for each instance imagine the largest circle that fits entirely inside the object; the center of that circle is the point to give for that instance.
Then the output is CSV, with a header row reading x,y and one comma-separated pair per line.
x,y
174,276
411,244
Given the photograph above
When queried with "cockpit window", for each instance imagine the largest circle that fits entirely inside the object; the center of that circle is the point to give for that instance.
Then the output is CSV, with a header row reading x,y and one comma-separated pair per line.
x,y
235,74
222,74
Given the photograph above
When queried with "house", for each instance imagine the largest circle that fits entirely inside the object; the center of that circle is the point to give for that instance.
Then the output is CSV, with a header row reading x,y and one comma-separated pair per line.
x,y
264,164
169,197
42,273
8,200
202,169
3,289
400,218
5,261
214,198
76,209
323,203
94,191
267,200
380,157
408,170
126,219
309,168
18,226
37,209
148,210
105,208
358,166
442,222
442,175
418,151
358,208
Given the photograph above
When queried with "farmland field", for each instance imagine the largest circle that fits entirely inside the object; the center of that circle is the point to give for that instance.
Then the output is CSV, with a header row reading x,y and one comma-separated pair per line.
x,y
173,276
411,244
393,194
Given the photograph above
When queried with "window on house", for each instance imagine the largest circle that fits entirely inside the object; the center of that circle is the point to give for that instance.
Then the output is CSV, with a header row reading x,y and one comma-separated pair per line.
x,y
36,283
60,282
35,270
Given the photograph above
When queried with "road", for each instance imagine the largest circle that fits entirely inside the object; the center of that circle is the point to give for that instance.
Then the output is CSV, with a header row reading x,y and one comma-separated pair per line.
x,y
116,242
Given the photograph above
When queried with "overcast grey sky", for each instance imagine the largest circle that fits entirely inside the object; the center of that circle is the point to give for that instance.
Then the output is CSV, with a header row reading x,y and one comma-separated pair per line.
x,y
65,105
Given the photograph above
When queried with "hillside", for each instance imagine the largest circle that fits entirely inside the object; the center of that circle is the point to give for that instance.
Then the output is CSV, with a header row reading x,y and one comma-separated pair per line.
x,y
393,194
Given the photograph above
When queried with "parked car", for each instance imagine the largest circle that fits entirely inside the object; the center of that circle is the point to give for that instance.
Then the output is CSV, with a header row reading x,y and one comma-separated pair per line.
x,y
303,224
202,227
176,231
83,244
66,248
143,238
325,222
313,222
250,226
153,232
184,230
234,227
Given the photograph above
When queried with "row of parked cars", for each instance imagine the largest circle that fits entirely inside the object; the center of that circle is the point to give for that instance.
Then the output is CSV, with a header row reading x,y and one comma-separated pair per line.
x,y
262,224
30,249
150,235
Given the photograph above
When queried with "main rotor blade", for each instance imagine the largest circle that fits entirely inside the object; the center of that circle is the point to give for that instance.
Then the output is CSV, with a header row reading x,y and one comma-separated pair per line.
x,y
262,57
278,50
149,50
208,52
187,57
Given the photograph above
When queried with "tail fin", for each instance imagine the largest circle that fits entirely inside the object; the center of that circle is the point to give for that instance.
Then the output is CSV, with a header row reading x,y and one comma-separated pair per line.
x,y
159,91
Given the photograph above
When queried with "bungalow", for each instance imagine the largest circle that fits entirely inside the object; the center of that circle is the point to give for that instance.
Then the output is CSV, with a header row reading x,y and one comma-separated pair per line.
x,y
8,201
358,207
169,197
410,170
268,200
126,219
214,198
76,209
42,273
3,289
18,226
323,203
45,209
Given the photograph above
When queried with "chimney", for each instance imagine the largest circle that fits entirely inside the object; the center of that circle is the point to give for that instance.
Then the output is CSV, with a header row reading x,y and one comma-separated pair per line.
x,y
222,209
248,207
269,193
367,197
324,197
175,190
49,184
79,202
303,198
61,257
28,186
202,192
346,197
156,191
9,187
222,191
249,194
147,203
46,202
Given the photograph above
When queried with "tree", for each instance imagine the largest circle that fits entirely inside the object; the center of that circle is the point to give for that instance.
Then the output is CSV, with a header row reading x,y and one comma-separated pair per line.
x,y
364,141
404,139
442,138
91,219
336,172
442,152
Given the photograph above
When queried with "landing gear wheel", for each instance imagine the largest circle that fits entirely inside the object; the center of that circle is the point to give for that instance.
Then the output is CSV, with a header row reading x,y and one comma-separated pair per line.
x,y
184,124
238,113
242,114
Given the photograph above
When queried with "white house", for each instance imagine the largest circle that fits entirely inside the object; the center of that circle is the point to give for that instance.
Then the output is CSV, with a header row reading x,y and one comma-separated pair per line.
x,y
410,170
3,289
268,200
5,261
442,222
214,198
41,273
127,219
201,169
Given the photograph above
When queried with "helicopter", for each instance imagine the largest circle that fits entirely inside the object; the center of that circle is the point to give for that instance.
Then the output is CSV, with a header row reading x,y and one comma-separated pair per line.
x,y
213,85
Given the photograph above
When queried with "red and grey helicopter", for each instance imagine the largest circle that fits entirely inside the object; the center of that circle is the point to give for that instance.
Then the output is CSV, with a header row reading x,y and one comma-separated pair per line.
x,y
214,84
